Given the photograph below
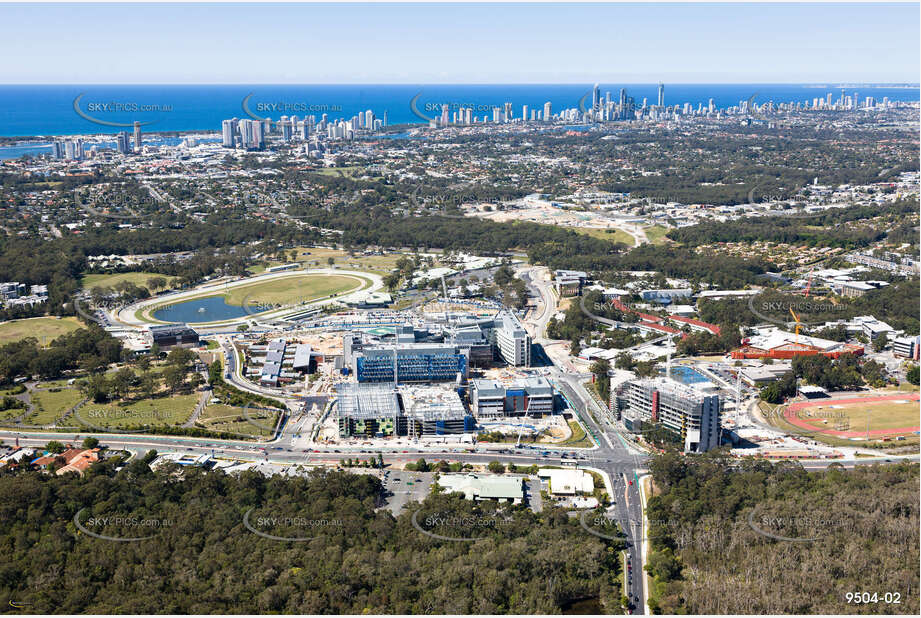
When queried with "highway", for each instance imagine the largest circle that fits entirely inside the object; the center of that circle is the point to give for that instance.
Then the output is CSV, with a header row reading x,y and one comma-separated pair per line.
x,y
612,455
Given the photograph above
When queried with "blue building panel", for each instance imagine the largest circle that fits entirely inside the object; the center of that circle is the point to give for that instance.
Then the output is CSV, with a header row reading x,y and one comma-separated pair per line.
x,y
412,368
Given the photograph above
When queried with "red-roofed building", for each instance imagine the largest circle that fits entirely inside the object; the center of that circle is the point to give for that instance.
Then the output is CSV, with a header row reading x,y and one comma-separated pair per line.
x,y
73,460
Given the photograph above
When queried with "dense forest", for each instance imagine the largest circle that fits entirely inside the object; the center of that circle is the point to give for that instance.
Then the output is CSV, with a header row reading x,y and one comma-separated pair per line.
x,y
203,558
717,528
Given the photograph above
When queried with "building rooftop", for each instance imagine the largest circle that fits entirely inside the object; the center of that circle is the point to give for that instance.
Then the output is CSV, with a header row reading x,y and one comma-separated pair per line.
x,y
366,401
475,486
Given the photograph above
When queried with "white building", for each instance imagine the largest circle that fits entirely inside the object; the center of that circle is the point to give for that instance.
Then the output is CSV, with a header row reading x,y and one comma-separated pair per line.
x,y
512,340
567,482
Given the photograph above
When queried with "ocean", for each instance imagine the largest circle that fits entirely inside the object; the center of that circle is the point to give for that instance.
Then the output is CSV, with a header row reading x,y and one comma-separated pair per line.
x,y
31,111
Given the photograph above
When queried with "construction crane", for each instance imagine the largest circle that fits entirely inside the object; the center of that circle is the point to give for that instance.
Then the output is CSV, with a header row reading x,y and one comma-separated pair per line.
x,y
809,283
444,289
796,320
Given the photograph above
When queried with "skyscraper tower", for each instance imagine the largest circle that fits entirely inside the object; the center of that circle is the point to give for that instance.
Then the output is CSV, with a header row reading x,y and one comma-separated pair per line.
x,y
258,136
596,98
661,95
285,128
547,109
137,136
122,143
227,133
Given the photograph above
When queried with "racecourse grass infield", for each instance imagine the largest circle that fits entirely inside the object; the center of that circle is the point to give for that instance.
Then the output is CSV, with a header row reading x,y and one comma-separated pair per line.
x,y
888,415
273,293
292,289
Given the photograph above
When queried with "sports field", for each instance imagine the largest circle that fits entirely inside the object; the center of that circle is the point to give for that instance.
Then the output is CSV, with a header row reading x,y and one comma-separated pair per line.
x,y
43,329
888,416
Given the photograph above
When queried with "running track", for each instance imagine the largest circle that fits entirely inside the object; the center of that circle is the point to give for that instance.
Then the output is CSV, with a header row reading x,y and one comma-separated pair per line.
x,y
806,424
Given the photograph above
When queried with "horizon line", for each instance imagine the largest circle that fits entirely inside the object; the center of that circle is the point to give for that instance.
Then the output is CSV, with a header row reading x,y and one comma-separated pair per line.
x,y
814,83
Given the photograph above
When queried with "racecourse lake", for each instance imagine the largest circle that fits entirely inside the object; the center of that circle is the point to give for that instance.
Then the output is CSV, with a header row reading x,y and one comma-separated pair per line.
x,y
211,309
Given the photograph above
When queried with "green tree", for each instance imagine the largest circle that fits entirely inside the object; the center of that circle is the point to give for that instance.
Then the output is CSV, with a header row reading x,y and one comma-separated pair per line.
x,y
600,369
174,377
55,447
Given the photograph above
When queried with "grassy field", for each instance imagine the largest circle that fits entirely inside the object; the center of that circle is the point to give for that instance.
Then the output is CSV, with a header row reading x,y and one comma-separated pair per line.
x,y
612,234
317,257
43,329
656,234
108,281
221,417
50,405
578,439
291,289
54,384
885,415
158,412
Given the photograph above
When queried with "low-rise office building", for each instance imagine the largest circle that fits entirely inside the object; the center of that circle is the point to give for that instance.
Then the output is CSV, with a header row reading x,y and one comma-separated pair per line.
x,y
173,335
906,347
484,487
526,397
567,481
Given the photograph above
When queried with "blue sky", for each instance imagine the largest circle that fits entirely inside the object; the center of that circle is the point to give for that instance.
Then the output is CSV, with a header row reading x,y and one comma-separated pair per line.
x,y
453,43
